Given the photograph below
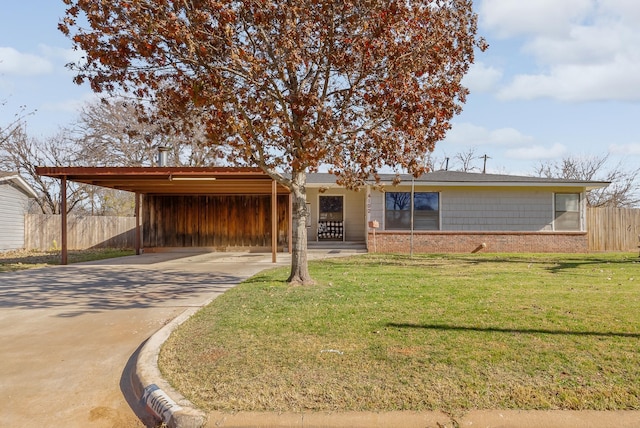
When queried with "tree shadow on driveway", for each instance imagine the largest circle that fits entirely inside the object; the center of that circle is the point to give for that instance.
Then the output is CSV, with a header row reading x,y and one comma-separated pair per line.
x,y
91,288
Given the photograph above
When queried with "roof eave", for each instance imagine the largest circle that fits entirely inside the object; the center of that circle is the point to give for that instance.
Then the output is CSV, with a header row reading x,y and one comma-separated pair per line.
x,y
19,182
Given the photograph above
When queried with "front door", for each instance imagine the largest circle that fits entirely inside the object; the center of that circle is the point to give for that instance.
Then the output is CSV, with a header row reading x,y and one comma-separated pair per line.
x,y
331,217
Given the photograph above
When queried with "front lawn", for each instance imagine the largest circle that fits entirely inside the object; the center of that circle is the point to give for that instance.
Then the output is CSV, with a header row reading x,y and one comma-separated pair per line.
x,y
433,332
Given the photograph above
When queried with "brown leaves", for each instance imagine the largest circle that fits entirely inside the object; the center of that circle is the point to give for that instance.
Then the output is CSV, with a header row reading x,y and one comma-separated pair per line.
x,y
357,84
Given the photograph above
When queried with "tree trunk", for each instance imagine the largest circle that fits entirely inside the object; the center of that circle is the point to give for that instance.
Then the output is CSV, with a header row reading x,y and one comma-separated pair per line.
x,y
299,267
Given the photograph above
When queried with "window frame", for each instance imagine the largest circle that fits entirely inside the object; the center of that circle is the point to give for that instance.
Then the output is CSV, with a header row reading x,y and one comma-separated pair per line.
x,y
393,226
559,213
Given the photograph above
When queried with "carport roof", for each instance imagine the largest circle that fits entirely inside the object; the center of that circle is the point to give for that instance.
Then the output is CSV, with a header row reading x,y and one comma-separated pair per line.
x,y
170,180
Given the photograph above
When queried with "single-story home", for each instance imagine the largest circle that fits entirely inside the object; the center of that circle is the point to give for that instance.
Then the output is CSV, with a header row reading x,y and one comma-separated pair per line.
x,y
450,211
15,193
444,211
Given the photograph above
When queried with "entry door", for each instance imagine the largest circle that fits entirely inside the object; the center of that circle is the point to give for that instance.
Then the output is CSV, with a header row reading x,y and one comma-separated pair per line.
x,y
331,217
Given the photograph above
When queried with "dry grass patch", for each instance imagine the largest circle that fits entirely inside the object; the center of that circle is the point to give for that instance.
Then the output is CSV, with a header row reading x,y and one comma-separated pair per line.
x,y
23,259
454,332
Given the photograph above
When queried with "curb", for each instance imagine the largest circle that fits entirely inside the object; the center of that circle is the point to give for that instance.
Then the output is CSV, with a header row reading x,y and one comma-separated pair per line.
x,y
159,399
166,405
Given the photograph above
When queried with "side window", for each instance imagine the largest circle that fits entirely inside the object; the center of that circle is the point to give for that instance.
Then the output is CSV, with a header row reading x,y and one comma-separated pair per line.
x,y
567,212
426,211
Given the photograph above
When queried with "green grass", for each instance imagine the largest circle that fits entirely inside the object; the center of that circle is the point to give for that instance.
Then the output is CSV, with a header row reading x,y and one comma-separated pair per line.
x,y
20,260
450,333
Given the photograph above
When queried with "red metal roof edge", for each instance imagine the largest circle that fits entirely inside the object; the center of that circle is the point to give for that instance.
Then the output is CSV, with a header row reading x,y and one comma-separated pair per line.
x,y
57,171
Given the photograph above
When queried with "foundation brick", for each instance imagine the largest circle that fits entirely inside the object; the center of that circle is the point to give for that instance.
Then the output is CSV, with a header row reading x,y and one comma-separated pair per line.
x,y
494,242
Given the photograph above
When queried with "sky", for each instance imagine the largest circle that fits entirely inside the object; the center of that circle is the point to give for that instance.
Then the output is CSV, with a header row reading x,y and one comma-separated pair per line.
x,y
560,78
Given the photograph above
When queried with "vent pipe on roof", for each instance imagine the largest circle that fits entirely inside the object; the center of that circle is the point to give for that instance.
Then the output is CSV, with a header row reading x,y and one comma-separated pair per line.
x,y
163,156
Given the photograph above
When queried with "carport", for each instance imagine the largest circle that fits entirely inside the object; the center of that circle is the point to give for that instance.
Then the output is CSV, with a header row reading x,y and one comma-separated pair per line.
x,y
205,207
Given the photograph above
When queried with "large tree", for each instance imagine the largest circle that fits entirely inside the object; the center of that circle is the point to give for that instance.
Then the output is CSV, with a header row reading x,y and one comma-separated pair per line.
x,y
117,132
290,85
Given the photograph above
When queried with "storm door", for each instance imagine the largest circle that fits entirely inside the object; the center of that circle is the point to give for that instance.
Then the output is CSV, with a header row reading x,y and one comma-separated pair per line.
x,y
331,217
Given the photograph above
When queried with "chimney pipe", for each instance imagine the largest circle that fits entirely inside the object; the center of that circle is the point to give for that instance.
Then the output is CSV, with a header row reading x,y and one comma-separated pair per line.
x,y
163,156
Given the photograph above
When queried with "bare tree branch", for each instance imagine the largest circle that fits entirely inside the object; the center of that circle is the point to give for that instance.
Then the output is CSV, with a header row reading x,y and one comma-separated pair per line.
x,y
623,192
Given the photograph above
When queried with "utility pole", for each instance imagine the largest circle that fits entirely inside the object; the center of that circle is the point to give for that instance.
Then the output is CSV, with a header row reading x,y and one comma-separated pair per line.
x,y
484,168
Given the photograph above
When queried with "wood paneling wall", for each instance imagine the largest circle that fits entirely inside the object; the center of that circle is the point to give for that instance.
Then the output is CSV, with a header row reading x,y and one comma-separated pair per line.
x,y
212,221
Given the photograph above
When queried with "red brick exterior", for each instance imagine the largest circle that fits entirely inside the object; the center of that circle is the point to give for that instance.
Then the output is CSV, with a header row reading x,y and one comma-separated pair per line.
x,y
471,242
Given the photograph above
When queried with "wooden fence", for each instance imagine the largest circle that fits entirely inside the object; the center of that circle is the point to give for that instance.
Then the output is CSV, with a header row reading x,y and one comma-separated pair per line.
x,y
43,232
610,229
613,229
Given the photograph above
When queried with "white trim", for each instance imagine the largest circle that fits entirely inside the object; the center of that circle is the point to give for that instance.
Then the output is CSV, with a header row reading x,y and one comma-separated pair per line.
x,y
553,211
581,185
581,211
19,182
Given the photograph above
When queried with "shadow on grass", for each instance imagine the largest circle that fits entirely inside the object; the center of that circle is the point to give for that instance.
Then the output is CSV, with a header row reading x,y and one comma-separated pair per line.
x,y
513,330
551,262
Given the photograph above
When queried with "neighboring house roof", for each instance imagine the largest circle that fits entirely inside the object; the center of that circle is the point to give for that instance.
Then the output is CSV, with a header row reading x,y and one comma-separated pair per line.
x,y
18,182
457,178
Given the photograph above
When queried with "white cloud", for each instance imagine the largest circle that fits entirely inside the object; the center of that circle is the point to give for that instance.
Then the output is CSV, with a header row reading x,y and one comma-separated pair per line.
x,y
619,80
510,17
469,134
586,44
67,55
14,62
537,152
627,10
632,149
482,78
585,50
71,105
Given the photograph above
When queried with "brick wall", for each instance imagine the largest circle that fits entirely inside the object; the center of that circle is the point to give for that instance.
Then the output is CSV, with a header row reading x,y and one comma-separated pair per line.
x,y
495,242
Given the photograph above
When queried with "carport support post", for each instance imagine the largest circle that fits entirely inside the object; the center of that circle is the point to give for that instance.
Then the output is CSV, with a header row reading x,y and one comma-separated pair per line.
x,y
274,220
290,225
63,220
138,240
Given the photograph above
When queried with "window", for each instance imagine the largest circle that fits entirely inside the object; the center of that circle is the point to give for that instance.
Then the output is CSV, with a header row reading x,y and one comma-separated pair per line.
x,y
331,208
567,211
426,215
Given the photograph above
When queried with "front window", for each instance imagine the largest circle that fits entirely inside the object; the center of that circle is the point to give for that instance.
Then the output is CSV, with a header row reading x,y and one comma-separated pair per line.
x,y
567,211
331,208
426,208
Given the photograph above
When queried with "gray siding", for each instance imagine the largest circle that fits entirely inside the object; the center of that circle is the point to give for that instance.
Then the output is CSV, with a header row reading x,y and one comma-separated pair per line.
x,y
13,204
376,206
483,210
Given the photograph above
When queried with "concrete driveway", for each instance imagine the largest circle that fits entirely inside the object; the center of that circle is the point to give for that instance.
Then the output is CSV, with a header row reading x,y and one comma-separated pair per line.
x,y
68,334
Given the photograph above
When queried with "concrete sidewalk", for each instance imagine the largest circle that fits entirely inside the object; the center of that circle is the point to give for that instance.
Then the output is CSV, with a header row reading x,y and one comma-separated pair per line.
x,y
169,406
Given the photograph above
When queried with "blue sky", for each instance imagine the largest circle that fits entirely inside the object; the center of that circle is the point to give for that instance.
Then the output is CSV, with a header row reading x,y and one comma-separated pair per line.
x,y
560,78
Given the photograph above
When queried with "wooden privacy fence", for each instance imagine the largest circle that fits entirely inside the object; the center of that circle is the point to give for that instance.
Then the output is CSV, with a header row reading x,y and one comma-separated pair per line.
x,y
43,232
613,229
